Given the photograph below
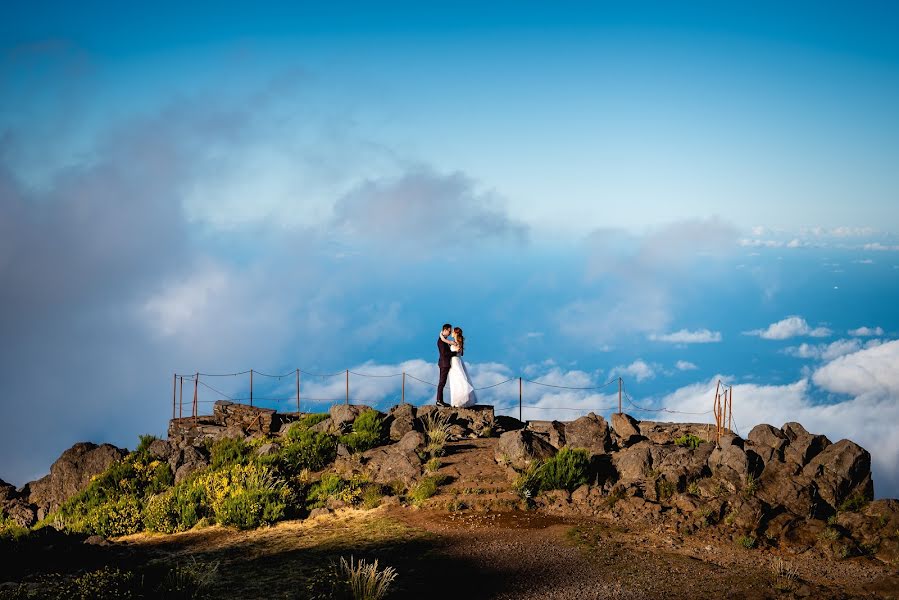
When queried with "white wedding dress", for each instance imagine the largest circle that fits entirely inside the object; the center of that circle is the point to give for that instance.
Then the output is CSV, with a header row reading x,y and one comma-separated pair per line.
x,y
461,391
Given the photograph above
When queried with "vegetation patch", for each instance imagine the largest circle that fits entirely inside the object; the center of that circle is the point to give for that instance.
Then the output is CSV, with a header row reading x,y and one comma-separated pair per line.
x,y
689,441
567,470
368,432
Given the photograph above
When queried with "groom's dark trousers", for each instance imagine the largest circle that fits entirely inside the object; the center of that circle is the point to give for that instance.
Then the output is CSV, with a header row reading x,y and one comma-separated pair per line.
x,y
444,363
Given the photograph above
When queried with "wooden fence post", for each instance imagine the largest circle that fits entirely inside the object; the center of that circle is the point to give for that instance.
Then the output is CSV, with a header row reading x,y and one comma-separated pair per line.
x,y
347,386
298,393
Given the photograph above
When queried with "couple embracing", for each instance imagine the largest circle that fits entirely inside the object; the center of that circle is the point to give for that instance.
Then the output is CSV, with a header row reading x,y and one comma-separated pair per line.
x,y
451,345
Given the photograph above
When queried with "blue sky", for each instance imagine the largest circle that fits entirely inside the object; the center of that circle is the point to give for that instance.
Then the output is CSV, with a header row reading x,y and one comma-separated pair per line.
x,y
670,194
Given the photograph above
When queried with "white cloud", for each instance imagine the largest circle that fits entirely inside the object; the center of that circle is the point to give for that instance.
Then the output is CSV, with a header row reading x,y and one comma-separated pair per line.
x,y
878,247
639,370
864,331
685,365
869,371
824,351
684,336
864,261
789,327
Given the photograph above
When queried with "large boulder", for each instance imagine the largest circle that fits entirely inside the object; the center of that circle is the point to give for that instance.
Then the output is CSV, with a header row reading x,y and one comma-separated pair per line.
x,y
803,446
14,506
551,431
590,432
522,447
70,474
768,442
395,462
402,420
730,462
660,432
185,461
632,464
778,486
463,422
626,428
343,415
841,471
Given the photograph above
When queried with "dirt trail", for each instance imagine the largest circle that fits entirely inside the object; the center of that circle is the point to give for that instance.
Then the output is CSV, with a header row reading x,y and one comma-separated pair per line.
x,y
476,481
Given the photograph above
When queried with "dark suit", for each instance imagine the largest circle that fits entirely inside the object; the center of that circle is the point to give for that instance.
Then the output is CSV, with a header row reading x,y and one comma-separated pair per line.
x,y
444,363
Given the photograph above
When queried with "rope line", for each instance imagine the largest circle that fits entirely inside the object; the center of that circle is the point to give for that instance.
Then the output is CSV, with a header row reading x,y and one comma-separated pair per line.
x,y
373,375
421,380
487,387
566,387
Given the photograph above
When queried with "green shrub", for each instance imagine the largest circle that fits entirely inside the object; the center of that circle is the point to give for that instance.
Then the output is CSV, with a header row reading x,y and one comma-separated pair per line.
x,y
244,496
307,450
229,451
746,541
372,496
12,531
425,488
433,465
854,503
144,442
689,441
332,487
159,513
567,470
665,489
368,432
307,421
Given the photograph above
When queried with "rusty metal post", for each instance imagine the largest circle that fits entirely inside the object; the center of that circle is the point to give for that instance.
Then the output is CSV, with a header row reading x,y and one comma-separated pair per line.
x,y
716,411
251,387
730,408
519,400
403,392
174,392
298,393
619,395
181,400
196,404
347,386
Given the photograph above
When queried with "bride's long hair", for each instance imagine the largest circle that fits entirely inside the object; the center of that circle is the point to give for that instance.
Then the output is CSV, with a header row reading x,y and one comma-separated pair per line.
x,y
460,340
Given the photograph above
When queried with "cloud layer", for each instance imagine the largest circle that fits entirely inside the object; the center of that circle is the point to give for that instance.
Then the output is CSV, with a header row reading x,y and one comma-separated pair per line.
x,y
789,327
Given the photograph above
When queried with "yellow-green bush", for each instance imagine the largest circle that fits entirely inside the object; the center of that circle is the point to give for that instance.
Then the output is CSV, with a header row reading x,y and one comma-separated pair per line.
x,y
244,495
368,432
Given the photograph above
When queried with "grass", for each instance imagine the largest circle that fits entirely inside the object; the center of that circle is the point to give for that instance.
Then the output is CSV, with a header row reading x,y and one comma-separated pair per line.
x,y
751,487
689,441
436,429
425,488
665,489
364,580
433,465
567,470
746,541
854,503
693,489
785,575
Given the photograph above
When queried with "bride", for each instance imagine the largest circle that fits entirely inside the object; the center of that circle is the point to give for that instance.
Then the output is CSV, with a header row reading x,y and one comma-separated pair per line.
x,y
461,391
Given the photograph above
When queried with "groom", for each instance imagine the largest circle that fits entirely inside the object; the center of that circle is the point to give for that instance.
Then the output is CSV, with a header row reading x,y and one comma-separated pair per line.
x,y
444,361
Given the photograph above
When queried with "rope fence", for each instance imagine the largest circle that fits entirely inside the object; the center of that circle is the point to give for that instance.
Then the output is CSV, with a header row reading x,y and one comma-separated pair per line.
x,y
722,406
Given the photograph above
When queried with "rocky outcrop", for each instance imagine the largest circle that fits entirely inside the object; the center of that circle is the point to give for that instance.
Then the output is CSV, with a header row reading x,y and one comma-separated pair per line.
x,y
803,446
70,474
15,506
841,471
385,464
590,432
476,421
626,429
522,447
343,415
401,420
